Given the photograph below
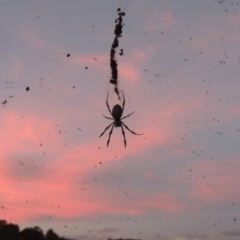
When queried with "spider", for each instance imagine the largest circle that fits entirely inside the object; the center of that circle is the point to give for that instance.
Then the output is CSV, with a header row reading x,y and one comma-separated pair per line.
x,y
116,113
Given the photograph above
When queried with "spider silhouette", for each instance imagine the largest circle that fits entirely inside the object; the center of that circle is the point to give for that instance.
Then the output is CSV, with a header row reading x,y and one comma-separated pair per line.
x,y
117,113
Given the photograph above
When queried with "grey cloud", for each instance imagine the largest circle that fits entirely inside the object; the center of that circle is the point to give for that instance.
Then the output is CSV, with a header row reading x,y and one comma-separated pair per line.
x,y
22,167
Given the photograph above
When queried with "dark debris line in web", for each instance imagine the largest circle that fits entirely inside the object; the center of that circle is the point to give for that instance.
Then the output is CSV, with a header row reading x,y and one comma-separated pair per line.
x,y
113,62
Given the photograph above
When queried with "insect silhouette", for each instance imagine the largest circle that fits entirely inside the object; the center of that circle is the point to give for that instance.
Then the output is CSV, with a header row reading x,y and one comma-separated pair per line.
x,y
117,113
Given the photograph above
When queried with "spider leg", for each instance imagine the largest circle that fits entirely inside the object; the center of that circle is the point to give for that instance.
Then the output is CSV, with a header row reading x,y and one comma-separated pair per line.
x,y
130,130
108,117
127,115
108,105
124,137
123,101
107,128
110,133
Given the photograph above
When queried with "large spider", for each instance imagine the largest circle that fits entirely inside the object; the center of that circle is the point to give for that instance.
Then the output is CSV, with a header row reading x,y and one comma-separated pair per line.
x,y
116,113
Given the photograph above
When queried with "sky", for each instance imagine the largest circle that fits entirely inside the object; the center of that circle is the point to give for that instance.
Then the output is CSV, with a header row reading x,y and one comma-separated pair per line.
x,y
179,74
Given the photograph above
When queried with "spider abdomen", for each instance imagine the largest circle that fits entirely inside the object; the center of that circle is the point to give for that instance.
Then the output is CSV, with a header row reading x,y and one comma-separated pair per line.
x,y
117,112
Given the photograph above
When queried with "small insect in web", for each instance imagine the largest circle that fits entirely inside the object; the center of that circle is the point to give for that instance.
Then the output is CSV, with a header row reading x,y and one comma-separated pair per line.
x,y
117,113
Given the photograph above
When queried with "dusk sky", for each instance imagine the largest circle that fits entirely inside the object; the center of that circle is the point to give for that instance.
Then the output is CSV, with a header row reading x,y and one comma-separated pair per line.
x,y
180,73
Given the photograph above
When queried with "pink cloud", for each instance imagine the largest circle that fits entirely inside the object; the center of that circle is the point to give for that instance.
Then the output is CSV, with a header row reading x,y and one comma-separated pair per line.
x,y
127,69
32,39
58,190
214,184
234,19
57,196
24,133
64,178
128,73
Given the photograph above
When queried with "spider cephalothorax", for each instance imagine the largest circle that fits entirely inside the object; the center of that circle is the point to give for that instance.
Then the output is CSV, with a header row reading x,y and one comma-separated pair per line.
x,y
117,113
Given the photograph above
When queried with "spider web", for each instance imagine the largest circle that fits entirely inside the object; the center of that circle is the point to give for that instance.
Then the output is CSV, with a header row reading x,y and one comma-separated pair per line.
x,y
179,73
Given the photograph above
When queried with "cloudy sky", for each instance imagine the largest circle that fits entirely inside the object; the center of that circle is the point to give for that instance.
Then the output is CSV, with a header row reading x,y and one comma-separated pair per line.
x,y
179,73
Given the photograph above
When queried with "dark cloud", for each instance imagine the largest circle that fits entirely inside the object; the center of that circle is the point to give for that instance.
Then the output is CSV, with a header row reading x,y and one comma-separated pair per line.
x,y
189,236
108,230
231,234
87,237
222,235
